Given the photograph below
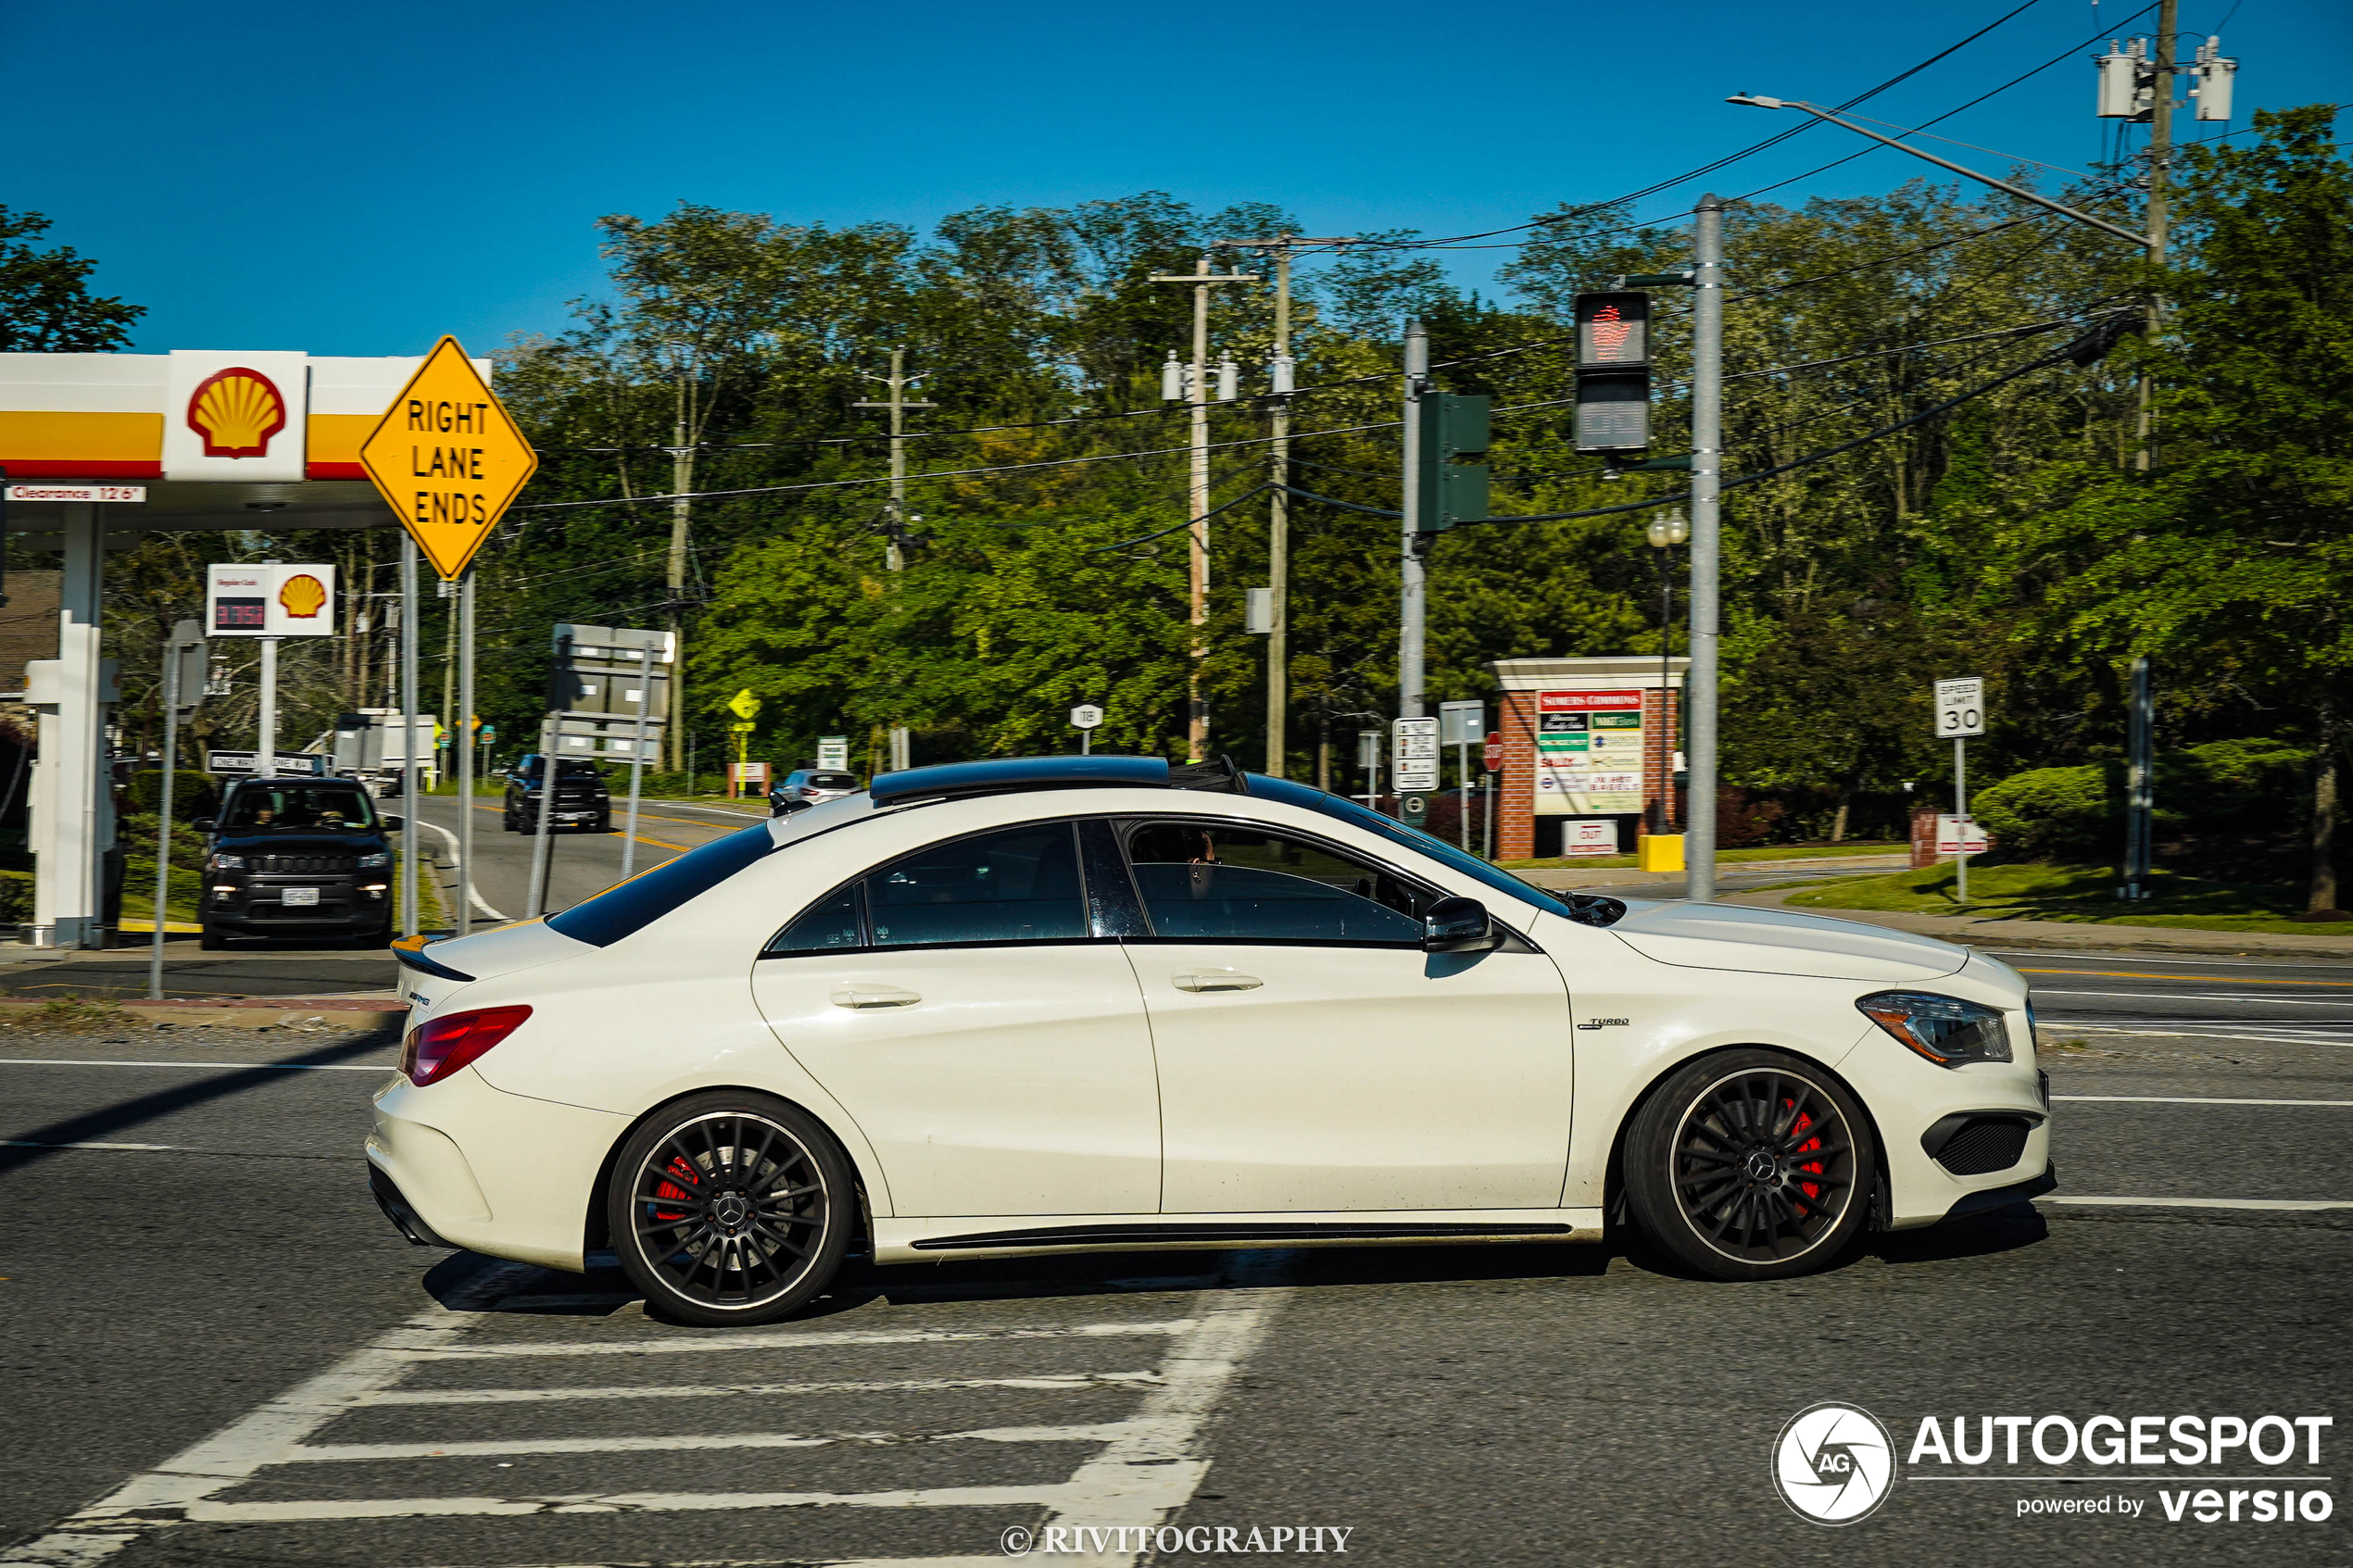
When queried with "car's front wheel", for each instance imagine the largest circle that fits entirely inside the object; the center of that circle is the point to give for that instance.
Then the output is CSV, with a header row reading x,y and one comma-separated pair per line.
x,y
1751,1164
731,1207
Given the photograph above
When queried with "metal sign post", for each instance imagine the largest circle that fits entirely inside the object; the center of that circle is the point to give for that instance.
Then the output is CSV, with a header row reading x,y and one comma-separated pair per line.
x,y
464,741
1087,718
409,735
542,845
1960,713
184,664
1460,724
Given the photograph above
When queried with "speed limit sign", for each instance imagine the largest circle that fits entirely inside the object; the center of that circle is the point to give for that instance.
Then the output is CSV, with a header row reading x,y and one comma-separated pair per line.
x,y
1960,707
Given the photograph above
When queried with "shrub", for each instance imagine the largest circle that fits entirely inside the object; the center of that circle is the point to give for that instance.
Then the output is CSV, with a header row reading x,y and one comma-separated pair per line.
x,y
189,785
16,898
2054,811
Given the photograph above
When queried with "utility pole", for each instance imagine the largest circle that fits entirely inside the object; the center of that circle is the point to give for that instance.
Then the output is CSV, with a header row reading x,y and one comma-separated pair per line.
x,y
2160,156
1196,704
682,481
897,380
1708,475
1281,381
1410,572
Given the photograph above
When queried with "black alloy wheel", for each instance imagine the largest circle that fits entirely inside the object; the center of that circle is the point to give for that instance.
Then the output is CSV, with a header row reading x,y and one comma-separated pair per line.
x,y
1751,1164
731,1207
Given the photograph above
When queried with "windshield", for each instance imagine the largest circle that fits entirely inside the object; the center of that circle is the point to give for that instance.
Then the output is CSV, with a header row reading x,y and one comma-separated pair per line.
x,y
566,768
319,808
1470,865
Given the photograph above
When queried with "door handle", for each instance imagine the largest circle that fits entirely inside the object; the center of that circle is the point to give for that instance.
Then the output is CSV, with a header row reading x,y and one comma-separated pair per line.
x,y
876,996
1216,980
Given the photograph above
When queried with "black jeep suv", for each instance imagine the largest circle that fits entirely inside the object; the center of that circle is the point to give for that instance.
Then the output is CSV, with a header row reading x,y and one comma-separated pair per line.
x,y
582,799
297,858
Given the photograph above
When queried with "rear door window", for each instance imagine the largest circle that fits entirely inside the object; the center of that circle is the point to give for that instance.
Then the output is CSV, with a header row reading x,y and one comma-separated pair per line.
x,y
1221,882
1021,884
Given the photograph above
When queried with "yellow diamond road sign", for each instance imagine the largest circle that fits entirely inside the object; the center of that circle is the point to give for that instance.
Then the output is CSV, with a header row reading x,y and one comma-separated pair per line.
x,y
447,458
745,705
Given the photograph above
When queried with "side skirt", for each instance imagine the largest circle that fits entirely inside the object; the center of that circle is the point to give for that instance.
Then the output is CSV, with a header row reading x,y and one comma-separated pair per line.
x,y
904,1241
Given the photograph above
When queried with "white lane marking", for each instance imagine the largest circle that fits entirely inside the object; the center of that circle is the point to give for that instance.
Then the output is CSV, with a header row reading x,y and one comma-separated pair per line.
x,y
2193,1032
333,1453
1057,1383
2205,996
1048,1493
260,1437
2297,1205
467,871
18,1143
2058,954
790,1339
2184,1100
1146,1476
271,1066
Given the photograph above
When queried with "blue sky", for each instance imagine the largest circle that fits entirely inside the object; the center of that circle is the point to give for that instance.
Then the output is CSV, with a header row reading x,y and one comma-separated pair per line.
x,y
356,180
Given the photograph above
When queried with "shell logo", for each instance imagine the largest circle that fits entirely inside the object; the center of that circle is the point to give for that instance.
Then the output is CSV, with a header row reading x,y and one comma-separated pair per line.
x,y
303,597
236,411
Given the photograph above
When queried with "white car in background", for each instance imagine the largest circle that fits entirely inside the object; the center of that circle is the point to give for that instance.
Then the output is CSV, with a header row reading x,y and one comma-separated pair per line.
x,y
1058,1004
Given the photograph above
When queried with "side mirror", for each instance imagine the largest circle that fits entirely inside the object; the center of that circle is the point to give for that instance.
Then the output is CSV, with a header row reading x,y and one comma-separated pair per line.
x,y
204,824
394,825
787,807
1458,926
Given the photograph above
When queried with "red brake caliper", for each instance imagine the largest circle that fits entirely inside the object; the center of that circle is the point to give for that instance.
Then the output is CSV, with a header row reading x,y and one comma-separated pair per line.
x,y
673,1192
1812,1146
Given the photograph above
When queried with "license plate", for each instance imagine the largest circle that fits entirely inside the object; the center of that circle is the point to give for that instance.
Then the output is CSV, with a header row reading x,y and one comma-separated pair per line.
x,y
298,895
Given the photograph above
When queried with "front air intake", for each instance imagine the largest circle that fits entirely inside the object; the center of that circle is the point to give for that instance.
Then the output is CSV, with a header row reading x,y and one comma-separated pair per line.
x,y
1977,1146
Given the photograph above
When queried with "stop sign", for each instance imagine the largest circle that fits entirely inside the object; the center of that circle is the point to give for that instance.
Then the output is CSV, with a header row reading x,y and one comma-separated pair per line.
x,y
1492,755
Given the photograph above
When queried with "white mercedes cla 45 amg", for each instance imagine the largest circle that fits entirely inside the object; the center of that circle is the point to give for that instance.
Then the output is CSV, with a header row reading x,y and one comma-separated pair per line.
x,y
1059,1004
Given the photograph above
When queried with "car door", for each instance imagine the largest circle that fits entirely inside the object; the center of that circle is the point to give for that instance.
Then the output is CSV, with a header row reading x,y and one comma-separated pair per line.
x,y
1312,1057
962,1004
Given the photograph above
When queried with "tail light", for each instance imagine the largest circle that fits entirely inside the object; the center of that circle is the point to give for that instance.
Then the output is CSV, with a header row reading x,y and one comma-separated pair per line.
x,y
434,1050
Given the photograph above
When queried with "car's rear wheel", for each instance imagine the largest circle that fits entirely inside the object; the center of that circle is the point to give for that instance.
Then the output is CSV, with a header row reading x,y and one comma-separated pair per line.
x,y
1751,1164
731,1207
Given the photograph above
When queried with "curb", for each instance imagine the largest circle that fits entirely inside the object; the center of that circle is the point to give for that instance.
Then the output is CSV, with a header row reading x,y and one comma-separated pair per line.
x,y
231,1012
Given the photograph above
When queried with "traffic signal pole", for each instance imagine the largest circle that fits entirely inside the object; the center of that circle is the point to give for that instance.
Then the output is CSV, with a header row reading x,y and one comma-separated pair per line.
x,y
1412,578
1707,472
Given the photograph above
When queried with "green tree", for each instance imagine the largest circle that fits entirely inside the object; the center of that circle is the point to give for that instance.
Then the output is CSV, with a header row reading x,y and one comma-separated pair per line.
x,y
45,303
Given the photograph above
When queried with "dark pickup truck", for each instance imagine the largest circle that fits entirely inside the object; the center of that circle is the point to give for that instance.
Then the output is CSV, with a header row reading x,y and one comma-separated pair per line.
x,y
582,799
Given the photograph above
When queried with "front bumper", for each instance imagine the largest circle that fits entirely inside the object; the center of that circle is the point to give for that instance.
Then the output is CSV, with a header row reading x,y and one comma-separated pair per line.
x,y
1991,1199
260,908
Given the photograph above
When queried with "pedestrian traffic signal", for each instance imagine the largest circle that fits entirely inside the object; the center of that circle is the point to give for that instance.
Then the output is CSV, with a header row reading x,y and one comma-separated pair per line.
x,y
1613,371
1454,426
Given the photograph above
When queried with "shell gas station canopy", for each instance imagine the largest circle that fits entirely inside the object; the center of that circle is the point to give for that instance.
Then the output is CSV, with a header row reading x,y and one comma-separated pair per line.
x,y
214,438
100,445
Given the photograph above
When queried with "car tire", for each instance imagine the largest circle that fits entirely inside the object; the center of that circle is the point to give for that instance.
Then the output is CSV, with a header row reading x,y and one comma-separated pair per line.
x,y
731,1207
1751,1164
604,823
212,941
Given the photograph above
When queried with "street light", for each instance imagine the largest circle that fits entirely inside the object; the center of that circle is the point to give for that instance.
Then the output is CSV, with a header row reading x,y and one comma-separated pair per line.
x,y
1667,530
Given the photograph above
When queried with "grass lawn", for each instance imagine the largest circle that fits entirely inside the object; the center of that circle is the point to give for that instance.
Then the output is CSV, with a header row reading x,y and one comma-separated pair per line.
x,y
2085,894
1767,852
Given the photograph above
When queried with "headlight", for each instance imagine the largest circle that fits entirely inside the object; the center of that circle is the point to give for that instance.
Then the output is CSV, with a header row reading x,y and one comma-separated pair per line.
x,y
228,862
1949,1032
371,862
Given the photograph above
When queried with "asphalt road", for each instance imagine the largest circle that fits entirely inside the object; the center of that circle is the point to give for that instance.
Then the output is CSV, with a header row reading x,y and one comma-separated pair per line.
x,y
581,863
190,1254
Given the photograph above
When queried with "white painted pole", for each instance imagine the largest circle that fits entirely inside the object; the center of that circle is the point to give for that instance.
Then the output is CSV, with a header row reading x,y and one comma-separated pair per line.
x,y
163,814
265,750
637,771
1960,812
464,746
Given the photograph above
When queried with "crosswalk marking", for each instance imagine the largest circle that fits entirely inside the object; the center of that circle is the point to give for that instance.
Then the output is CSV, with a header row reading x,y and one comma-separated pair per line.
x,y
1144,1466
